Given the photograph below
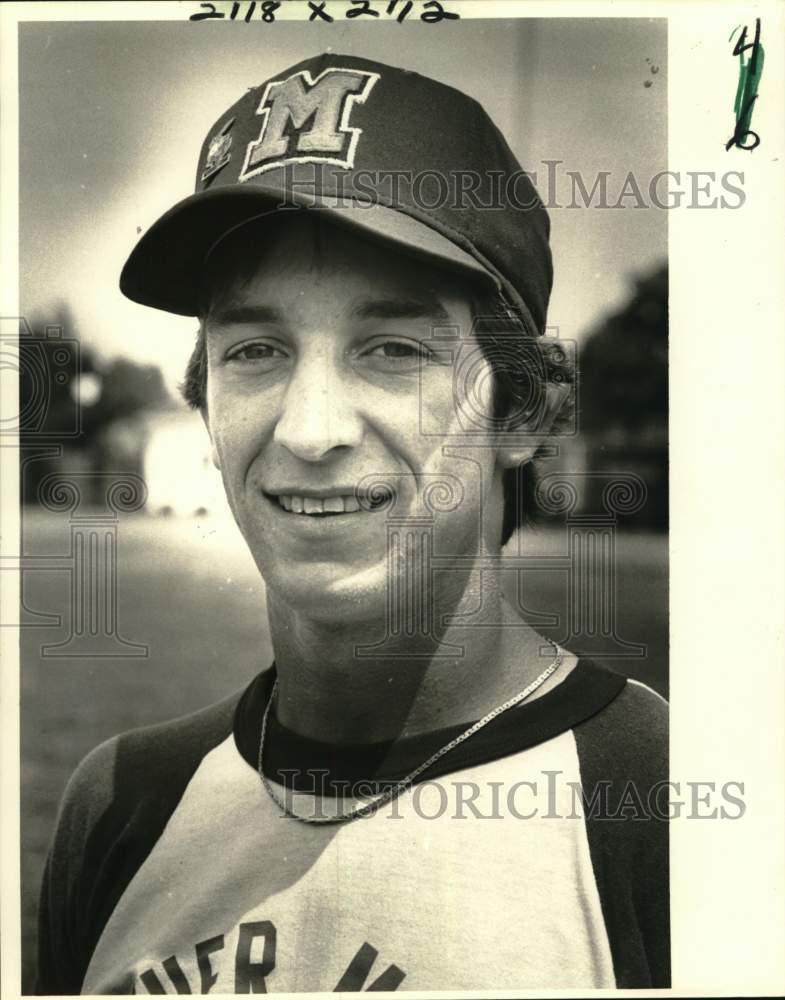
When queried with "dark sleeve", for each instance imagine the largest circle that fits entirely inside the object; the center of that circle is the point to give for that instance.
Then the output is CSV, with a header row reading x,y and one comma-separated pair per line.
x,y
87,797
115,807
623,756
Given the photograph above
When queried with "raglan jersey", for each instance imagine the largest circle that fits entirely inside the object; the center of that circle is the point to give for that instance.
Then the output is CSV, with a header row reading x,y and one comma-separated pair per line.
x,y
534,854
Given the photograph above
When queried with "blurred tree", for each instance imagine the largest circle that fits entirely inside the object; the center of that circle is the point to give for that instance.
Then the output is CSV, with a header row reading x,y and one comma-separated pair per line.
x,y
68,397
624,364
126,389
624,393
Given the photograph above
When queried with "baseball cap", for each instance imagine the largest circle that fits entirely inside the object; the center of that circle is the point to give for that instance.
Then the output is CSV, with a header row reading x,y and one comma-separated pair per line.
x,y
405,158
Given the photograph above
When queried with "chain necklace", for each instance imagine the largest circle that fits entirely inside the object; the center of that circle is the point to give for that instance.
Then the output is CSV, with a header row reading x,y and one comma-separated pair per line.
x,y
373,806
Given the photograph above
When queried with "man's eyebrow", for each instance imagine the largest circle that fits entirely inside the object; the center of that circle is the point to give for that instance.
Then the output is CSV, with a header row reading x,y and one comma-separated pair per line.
x,y
421,307
240,313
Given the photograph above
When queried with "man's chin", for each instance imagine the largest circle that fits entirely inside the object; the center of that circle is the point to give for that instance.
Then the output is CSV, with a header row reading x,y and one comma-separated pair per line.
x,y
329,592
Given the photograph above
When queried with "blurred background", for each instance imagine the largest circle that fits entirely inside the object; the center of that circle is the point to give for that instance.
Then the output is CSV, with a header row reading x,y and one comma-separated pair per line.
x,y
112,116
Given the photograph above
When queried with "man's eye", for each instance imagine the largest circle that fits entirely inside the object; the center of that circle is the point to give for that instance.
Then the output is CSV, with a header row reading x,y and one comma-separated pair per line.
x,y
399,350
254,352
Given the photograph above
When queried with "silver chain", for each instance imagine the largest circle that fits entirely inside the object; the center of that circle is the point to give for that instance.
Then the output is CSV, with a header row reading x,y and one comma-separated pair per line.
x,y
371,807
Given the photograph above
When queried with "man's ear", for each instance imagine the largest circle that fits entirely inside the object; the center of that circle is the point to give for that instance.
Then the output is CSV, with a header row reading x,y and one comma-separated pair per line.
x,y
213,450
526,435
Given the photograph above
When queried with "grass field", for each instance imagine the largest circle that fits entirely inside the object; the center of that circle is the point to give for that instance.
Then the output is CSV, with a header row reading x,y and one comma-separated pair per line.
x,y
189,591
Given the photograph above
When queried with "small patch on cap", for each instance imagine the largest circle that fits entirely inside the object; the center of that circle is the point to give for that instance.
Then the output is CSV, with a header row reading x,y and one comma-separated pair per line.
x,y
218,154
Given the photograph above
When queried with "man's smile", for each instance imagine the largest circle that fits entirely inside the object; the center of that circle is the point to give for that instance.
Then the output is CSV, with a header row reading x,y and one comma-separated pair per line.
x,y
328,503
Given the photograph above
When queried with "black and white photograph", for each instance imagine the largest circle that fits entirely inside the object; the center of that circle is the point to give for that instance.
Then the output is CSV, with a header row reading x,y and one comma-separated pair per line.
x,y
376,533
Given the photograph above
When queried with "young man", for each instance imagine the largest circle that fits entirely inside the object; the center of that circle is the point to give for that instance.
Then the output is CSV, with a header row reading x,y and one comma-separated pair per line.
x,y
409,797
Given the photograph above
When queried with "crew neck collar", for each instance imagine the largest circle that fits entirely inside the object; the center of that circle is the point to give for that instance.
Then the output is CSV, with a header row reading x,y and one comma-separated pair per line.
x,y
294,760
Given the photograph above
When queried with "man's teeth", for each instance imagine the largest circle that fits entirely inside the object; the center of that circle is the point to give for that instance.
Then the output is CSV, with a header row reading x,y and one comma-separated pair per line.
x,y
315,505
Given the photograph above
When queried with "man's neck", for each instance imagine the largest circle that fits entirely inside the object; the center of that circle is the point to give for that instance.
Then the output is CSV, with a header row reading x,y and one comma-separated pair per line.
x,y
328,691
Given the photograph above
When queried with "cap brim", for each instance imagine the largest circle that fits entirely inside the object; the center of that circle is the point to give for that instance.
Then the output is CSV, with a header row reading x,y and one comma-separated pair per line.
x,y
165,267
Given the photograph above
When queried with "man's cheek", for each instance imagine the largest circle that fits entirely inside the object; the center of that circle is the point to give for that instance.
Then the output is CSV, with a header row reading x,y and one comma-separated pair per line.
x,y
461,410
234,442
456,483
432,425
215,455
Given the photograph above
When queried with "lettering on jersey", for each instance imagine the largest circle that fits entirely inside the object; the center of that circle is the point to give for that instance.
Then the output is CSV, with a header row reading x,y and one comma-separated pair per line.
x,y
353,980
204,949
306,120
253,962
249,977
154,985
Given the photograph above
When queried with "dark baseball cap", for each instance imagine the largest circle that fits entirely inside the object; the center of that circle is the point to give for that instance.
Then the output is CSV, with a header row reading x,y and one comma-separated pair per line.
x,y
396,154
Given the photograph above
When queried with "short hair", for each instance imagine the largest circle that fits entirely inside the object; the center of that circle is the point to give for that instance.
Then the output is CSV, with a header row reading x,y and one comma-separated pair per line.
x,y
522,365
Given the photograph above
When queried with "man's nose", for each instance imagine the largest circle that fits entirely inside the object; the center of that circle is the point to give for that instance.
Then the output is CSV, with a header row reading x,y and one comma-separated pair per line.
x,y
318,414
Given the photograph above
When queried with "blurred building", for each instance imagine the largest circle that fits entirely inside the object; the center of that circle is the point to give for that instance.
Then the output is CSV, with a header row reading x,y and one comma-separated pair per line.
x,y
88,420
177,466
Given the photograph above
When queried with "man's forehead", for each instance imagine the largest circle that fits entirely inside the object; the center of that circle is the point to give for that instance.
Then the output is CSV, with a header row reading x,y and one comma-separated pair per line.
x,y
249,308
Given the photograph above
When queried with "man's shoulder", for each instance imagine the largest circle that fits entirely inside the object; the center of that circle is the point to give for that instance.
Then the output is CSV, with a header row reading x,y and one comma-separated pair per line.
x,y
638,704
638,712
146,761
115,807
629,735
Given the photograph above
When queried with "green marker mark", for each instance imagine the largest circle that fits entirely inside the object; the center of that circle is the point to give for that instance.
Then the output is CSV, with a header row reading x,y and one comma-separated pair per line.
x,y
750,70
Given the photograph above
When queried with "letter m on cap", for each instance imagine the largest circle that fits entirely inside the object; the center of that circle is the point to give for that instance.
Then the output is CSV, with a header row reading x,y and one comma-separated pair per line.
x,y
308,121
